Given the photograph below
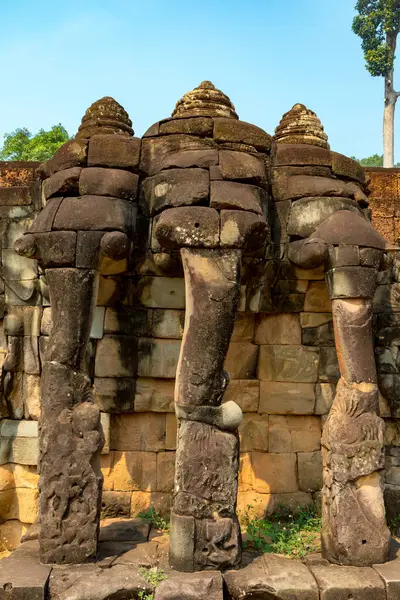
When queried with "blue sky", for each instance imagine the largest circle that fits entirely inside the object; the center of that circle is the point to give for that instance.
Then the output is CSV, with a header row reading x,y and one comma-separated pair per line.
x,y
60,56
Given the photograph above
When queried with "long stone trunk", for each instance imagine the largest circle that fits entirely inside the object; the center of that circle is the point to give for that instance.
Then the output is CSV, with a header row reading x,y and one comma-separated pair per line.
x,y
388,122
205,532
70,432
354,530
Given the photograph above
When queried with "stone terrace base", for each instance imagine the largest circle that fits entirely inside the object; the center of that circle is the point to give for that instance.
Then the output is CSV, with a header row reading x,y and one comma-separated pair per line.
x,y
126,546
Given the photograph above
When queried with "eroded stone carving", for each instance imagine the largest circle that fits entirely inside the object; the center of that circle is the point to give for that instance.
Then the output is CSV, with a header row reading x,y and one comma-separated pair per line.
x,y
206,192
87,222
329,225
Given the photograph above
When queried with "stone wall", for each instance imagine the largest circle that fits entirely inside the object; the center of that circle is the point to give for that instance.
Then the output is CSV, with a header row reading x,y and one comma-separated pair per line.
x,y
282,363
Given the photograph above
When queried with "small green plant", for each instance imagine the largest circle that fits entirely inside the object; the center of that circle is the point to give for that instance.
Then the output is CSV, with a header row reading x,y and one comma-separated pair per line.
x,y
153,517
289,532
153,576
394,525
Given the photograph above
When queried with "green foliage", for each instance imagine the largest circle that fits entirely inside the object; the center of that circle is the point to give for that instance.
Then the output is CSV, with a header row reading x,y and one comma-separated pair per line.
x,y
153,517
153,576
376,160
377,24
394,525
293,533
22,145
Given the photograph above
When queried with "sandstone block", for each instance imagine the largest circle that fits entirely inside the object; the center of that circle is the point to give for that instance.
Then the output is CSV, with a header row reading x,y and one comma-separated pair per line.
x,y
202,126
245,392
317,298
23,320
31,360
240,132
167,324
142,501
165,471
302,154
91,213
191,226
310,471
118,151
309,212
158,358
245,475
106,463
294,434
293,500
134,471
143,431
314,319
243,330
11,533
17,267
252,503
390,573
242,196
31,395
343,166
243,229
281,398
241,360
180,151
108,182
351,282
239,166
328,365
114,395
175,187
337,582
63,183
171,431
323,335
116,357
278,329
115,505
274,473
162,292
288,363
324,393
20,503
191,586
253,433
154,395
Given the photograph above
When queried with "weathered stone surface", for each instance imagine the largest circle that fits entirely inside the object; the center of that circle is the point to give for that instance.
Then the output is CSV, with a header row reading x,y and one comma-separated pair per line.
x,y
71,154
278,329
322,335
22,576
144,432
116,356
56,249
301,186
95,213
114,395
272,576
162,292
63,183
310,471
324,393
310,253
175,187
274,473
308,213
134,471
343,166
240,132
317,298
243,229
158,358
288,363
253,433
202,126
118,582
348,227
328,370
154,395
294,434
108,182
285,398
115,504
17,267
241,360
245,392
231,195
390,573
199,586
196,227
23,320
351,282
300,125
118,151
242,166
336,582
176,151
346,255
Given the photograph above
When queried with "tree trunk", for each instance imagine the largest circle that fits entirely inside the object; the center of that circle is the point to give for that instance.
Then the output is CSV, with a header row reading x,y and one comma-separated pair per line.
x,y
388,122
390,105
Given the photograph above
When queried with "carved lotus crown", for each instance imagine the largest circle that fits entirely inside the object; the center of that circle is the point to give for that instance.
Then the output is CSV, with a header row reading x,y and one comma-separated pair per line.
x,y
105,116
301,126
205,100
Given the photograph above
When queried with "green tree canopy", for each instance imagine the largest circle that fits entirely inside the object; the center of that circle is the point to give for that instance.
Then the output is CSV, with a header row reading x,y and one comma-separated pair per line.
x,y
376,160
22,145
